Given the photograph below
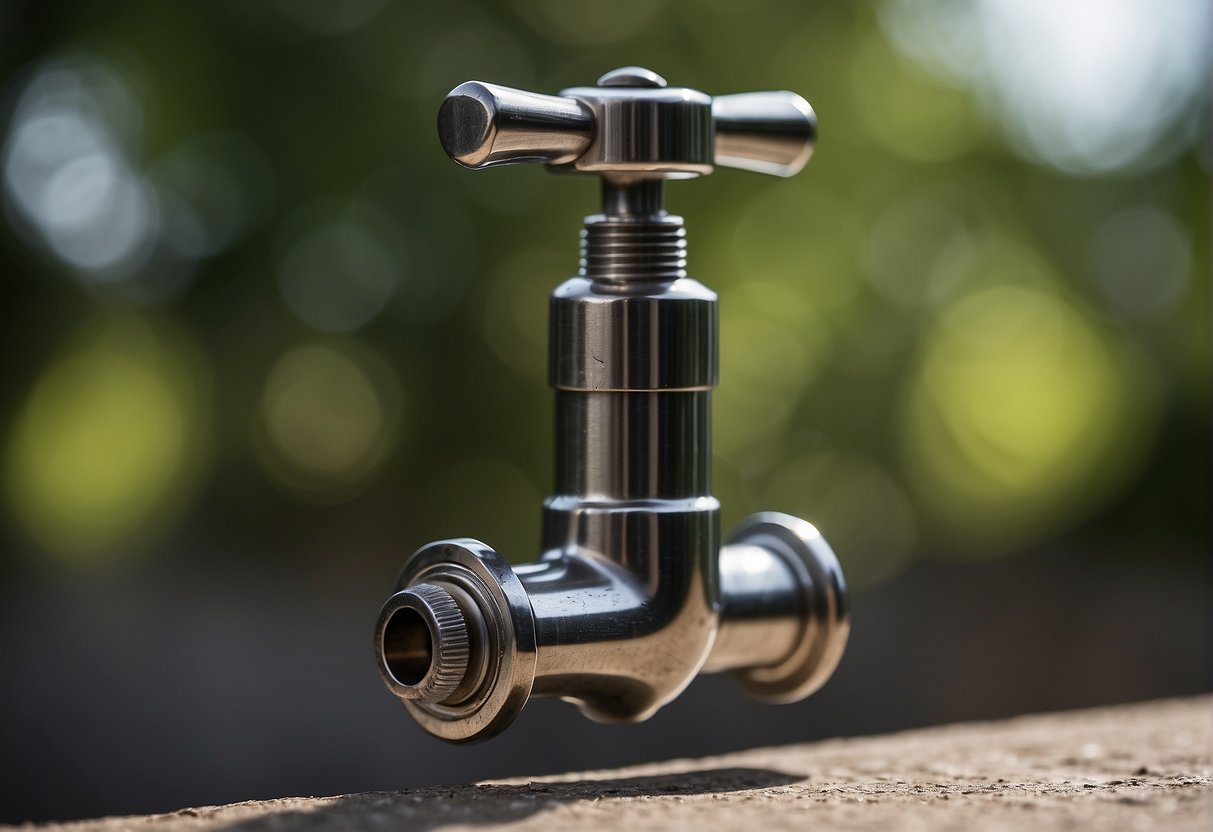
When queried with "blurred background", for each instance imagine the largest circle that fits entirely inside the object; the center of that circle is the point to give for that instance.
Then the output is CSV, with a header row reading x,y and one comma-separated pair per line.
x,y
262,339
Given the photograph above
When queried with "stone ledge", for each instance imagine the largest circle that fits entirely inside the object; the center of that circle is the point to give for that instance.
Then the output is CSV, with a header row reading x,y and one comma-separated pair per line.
x,y
1144,766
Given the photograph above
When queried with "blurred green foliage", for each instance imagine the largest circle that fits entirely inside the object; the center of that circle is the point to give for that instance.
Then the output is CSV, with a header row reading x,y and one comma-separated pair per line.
x,y
247,290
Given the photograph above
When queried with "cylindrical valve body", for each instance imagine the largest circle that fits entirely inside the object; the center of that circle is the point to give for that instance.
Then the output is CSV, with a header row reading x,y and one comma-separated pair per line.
x,y
633,361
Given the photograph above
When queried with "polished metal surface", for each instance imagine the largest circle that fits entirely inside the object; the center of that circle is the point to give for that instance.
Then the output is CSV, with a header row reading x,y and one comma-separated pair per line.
x,y
594,330
766,132
785,620
482,125
646,131
632,76
632,126
633,594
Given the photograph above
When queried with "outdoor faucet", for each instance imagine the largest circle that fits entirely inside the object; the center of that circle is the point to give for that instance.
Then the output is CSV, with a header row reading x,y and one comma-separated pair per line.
x,y
632,594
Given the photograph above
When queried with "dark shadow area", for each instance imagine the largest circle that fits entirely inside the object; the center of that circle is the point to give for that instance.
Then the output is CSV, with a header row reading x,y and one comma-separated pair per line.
x,y
418,809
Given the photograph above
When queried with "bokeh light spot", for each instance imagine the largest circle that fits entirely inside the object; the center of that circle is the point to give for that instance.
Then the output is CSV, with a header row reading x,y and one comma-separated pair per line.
x,y
330,416
338,277
74,185
1140,262
1088,86
106,445
989,258
68,176
909,246
911,113
218,185
1017,416
431,237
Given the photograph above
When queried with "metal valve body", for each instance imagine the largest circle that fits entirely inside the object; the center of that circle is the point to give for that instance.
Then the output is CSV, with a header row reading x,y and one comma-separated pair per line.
x,y
633,594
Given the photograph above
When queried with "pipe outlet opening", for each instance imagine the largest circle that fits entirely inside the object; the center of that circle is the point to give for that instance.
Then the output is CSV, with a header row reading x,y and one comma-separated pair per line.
x,y
408,646
423,643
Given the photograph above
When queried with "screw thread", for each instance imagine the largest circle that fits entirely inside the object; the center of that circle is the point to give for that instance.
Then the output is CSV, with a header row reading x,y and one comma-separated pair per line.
x,y
622,251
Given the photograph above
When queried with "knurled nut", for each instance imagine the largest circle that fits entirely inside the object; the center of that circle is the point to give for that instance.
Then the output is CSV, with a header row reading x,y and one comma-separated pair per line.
x,y
451,647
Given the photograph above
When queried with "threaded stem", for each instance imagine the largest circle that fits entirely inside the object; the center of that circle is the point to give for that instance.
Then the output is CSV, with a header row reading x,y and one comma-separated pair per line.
x,y
622,251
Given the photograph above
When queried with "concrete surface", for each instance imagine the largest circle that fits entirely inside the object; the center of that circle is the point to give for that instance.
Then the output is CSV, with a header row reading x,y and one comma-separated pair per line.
x,y
1136,767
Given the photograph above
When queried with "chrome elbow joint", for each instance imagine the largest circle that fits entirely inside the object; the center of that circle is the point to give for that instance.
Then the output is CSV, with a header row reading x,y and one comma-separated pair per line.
x,y
466,640
633,593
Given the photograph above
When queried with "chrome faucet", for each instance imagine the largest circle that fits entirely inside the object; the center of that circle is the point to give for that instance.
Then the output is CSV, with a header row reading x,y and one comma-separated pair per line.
x,y
632,595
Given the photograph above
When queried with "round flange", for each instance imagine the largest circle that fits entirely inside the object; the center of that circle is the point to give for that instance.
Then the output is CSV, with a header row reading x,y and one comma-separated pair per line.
x,y
827,622
501,625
